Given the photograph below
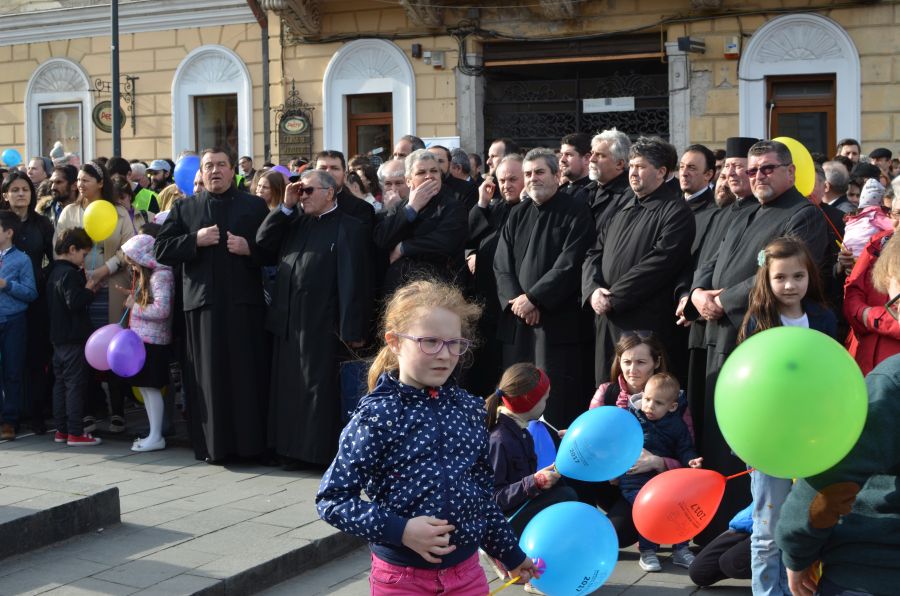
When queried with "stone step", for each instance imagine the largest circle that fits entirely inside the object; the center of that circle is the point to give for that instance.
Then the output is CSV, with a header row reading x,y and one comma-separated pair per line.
x,y
36,512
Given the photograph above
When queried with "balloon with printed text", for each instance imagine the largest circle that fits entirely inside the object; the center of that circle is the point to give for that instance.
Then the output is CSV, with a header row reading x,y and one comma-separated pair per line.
x,y
599,445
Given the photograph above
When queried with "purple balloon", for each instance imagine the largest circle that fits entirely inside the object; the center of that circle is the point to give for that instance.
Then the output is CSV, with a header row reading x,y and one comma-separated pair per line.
x,y
126,353
97,345
283,171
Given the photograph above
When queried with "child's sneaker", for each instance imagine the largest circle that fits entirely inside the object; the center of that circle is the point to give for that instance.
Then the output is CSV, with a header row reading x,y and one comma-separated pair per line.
x,y
60,437
649,561
86,440
682,557
116,424
90,424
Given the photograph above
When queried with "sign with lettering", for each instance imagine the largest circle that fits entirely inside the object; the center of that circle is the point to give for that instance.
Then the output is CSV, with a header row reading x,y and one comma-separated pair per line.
x,y
103,116
608,104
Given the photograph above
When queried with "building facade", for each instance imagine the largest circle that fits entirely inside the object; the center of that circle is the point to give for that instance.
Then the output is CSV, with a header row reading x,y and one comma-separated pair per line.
x,y
364,73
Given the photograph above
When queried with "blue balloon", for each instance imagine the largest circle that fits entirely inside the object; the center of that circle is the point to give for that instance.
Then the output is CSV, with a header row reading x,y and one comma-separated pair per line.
x,y
185,172
601,444
11,157
577,544
544,446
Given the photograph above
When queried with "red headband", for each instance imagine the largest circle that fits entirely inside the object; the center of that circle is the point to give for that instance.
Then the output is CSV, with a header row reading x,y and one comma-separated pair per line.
x,y
523,403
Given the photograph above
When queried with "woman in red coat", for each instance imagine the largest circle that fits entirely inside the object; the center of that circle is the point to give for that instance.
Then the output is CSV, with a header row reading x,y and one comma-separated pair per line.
x,y
874,333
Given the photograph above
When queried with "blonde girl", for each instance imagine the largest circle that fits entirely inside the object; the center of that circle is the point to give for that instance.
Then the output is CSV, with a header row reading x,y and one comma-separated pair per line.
x,y
418,446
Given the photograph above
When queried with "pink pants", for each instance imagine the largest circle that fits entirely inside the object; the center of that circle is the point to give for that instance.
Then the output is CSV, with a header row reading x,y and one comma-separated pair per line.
x,y
465,579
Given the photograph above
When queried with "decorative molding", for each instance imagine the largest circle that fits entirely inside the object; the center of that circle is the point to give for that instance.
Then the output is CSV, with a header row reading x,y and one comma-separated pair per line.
x,y
558,10
301,16
367,66
799,44
134,17
706,4
424,13
58,80
210,70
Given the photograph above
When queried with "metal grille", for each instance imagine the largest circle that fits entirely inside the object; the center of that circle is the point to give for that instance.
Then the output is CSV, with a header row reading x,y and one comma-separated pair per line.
x,y
536,106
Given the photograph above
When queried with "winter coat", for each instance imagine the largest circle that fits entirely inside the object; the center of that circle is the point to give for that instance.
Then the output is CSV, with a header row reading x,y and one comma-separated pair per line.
x,y
153,322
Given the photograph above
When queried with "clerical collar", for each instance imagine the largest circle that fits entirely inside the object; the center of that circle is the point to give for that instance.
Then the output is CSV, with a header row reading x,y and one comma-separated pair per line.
x,y
333,207
696,194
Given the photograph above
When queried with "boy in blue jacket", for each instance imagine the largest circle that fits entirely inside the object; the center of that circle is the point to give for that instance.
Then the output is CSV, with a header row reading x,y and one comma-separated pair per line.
x,y
17,290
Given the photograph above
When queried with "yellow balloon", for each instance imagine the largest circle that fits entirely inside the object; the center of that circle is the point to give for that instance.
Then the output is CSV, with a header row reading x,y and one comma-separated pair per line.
x,y
100,219
140,398
805,175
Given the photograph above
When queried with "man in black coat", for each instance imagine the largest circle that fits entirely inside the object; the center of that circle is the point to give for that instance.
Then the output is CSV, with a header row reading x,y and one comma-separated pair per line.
x,y
574,165
462,190
333,162
629,276
321,307
212,237
486,220
426,233
538,267
608,170
721,289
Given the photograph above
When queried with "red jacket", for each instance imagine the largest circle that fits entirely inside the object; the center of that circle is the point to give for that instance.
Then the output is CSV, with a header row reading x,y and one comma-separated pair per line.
x,y
878,336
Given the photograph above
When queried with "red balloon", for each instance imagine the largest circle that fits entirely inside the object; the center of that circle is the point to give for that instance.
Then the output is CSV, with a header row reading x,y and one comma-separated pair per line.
x,y
676,505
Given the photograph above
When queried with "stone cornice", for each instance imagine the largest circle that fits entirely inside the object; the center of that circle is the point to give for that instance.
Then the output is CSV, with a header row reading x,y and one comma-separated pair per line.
x,y
300,16
134,17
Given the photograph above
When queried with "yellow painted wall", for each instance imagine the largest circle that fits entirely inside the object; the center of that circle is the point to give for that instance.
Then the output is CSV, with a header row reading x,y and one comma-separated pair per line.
x,y
152,56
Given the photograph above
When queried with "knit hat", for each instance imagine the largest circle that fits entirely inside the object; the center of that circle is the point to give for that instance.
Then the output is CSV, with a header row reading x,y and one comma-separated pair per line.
x,y
872,194
140,250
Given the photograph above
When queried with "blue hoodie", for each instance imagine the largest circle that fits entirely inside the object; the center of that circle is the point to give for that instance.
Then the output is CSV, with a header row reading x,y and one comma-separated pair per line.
x,y
417,452
16,269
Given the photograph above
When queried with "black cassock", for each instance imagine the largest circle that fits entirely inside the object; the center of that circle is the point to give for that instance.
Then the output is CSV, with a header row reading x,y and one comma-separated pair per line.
x,y
539,254
638,256
733,269
485,224
433,241
227,346
322,301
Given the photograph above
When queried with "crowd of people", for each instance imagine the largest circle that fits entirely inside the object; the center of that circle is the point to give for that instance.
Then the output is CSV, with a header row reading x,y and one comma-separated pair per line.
x,y
609,267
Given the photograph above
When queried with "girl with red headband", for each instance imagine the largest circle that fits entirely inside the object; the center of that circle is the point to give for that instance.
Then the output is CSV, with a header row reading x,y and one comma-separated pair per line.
x,y
521,490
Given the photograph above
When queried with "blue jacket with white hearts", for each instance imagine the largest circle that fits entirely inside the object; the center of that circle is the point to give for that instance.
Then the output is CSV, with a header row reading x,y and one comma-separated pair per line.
x,y
417,452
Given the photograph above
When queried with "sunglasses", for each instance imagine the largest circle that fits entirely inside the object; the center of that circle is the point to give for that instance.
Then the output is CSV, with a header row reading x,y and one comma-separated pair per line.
x,y
891,307
766,169
433,345
308,190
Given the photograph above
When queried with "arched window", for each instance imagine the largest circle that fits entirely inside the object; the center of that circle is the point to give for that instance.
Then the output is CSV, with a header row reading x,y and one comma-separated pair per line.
x,y
58,110
211,102
370,67
799,46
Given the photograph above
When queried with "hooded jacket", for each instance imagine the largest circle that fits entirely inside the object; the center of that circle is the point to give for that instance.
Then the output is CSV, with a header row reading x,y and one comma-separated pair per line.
x,y
153,322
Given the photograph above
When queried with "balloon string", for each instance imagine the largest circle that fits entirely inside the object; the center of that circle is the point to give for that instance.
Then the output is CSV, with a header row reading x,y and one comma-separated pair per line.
x,y
739,474
504,586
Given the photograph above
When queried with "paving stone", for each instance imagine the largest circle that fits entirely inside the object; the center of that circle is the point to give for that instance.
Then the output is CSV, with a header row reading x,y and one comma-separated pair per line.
x,y
49,575
235,539
204,522
291,516
141,573
184,585
156,514
90,586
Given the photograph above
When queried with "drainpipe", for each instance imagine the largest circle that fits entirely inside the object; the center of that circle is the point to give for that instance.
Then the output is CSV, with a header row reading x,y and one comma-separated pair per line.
x,y
260,15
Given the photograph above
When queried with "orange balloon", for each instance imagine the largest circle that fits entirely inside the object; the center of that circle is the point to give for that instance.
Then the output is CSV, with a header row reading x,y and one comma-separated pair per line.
x,y
676,505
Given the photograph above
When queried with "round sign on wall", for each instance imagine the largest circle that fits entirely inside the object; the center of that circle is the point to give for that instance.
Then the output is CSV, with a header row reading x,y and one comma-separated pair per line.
x,y
294,125
103,116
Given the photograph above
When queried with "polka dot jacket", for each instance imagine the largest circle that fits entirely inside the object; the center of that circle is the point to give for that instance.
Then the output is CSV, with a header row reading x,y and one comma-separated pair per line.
x,y
417,452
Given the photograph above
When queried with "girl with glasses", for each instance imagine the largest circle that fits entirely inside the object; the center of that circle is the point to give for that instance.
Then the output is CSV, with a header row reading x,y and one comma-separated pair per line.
x,y
418,446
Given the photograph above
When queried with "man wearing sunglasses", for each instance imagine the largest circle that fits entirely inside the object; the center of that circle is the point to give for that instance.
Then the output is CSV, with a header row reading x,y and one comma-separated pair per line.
x,y
721,288
321,306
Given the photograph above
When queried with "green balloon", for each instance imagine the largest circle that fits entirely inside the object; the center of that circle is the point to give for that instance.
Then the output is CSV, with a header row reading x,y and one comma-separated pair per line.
x,y
791,402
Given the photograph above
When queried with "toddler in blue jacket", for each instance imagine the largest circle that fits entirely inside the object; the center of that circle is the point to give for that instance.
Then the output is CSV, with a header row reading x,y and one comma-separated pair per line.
x,y
660,410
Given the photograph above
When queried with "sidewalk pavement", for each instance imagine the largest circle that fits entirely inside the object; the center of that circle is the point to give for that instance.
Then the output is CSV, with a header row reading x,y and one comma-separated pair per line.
x,y
188,527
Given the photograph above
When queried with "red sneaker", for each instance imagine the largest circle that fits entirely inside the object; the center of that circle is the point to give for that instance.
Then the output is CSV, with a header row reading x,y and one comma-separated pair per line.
x,y
86,439
60,437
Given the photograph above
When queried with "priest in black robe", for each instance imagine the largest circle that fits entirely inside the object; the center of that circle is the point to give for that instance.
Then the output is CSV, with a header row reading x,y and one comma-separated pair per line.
x,y
320,313
608,168
212,238
486,220
721,290
630,274
425,234
538,268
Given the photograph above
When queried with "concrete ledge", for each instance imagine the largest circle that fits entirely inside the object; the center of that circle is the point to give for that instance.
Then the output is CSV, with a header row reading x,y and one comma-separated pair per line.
x,y
36,512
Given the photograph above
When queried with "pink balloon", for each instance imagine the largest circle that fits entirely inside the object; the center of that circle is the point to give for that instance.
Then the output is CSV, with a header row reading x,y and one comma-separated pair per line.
x,y
97,345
